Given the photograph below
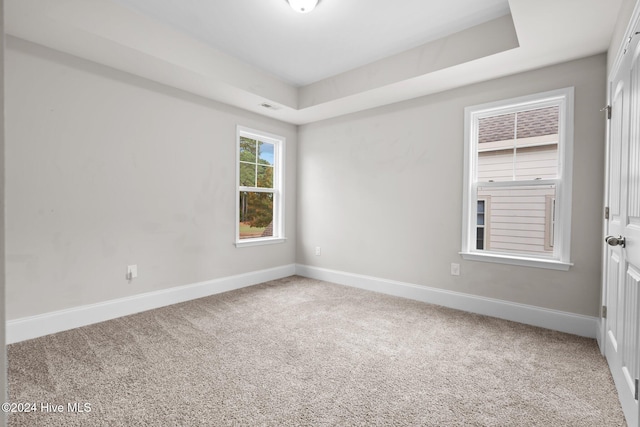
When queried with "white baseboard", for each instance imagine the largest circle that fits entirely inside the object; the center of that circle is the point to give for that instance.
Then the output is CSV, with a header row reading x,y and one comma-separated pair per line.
x,y
57,321
562,321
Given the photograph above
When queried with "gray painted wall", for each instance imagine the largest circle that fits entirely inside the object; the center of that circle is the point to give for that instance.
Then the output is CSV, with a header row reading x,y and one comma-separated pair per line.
x,y
105,169
381,192
3,354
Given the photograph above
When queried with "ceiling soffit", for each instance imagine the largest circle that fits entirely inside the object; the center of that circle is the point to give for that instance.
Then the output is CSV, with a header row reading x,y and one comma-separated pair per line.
x,y
114,35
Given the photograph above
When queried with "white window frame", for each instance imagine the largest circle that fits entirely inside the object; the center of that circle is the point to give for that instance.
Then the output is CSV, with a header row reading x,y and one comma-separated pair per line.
x,y
278,187
560,260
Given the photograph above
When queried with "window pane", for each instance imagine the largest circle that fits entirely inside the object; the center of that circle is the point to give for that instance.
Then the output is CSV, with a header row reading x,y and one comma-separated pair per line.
x,y
538,122
265,151
256,214
480,214
265,176
495,166
497,128
518,218
480,238
247,150
247,174
536,162
496,142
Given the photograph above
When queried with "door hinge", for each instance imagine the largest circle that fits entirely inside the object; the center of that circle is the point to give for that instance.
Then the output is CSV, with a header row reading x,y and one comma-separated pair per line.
x,y
603,312
636,395
606,212
608,110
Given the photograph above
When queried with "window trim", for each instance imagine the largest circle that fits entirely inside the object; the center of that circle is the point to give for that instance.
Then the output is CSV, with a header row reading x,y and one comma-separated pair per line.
x,y
560,260
278,187
550,221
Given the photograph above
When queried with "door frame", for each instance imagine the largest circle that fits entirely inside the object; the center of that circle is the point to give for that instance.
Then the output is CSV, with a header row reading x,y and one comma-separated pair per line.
x,y
634,21
630,35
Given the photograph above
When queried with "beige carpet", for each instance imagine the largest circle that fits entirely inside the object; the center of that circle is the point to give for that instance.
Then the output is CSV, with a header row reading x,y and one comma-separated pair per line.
x,y
300,352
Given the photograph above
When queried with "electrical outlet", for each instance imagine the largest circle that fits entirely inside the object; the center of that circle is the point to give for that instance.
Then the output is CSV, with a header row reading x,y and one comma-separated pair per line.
x,y
455,269
318,251
132,271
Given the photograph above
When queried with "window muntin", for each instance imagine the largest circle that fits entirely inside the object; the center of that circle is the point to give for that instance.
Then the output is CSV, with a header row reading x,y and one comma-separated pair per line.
x,y
518,156
259,216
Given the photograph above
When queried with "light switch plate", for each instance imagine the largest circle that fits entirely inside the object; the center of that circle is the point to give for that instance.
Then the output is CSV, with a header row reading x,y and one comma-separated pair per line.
x,y
132,271
455,269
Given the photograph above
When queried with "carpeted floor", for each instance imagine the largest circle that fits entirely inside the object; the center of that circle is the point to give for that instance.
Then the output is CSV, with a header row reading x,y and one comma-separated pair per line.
x,y
300,352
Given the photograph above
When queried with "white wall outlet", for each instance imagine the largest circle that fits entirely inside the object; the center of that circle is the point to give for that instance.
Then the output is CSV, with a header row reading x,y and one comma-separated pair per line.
x,y
318,251
132,271
455,269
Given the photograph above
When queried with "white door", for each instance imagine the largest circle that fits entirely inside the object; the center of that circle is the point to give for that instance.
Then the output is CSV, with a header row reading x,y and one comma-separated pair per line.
x,y
622,260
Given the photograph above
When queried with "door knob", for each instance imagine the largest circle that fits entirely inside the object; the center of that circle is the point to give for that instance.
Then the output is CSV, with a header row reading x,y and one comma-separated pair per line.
x,y
615,241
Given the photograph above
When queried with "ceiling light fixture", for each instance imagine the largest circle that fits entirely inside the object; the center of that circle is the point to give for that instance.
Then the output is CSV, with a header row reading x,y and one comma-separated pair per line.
x,y
303,6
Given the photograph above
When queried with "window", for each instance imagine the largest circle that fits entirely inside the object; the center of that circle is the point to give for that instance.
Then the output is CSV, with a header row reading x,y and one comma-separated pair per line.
x,y
481,224
517,183
259,188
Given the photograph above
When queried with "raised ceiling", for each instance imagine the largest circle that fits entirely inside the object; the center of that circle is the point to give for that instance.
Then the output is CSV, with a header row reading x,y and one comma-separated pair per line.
x,y
336,37
343,57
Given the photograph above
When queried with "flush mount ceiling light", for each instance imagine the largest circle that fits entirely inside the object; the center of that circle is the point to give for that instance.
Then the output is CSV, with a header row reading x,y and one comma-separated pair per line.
x,y
303,6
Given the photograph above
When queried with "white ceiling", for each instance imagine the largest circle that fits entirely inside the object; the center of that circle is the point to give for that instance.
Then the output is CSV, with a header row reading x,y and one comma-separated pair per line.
x,y
345,56
337,36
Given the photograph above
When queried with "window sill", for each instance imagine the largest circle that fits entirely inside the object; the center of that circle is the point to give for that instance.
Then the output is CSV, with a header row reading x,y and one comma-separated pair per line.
x,y
515,260
259,242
